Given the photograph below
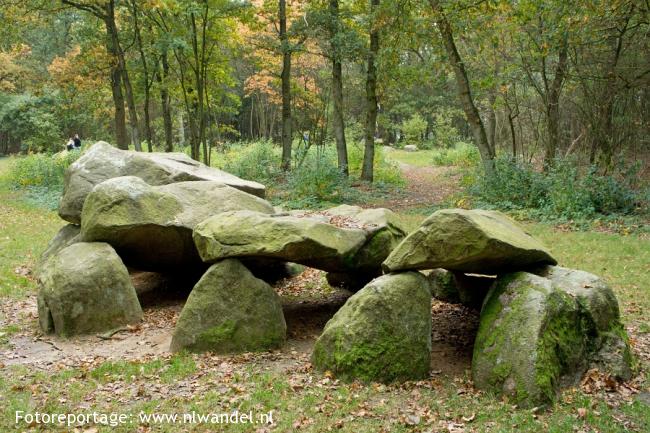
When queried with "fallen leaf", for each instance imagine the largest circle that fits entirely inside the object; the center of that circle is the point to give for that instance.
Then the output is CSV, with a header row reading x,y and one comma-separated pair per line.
x,y
469,418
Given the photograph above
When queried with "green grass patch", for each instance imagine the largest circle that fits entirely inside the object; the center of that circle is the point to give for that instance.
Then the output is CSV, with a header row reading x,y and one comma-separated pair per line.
x,y
421,158
25,230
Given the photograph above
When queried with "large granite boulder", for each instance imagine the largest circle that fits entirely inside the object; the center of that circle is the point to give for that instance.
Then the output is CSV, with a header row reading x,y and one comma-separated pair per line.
x,y
598,301
538,334
384,232
472,241
103,161
86,288
151,226
229,311
66,236
382,333
289,238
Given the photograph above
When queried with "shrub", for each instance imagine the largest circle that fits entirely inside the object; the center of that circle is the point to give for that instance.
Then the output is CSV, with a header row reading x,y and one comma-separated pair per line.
x,y
446,134
40,176
41,170
462,155
318,179
314,180
414,129
386,171
563,193
259,161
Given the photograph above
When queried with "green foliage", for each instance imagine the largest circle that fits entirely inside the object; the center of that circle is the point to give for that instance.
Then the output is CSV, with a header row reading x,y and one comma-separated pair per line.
x,y
31,121
314,180
354,133
414,129
258,161
461,154
40,176
318,179
386,172
562,193
40,169
446,134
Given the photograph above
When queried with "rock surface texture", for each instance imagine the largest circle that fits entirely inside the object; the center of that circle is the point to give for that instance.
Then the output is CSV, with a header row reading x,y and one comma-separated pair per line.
x,y
151,226
289,238
382,333
84,289
66,236
472,241
539,333
230,311
103,161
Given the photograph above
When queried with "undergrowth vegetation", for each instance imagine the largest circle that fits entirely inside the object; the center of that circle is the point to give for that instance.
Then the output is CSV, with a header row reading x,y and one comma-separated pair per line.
x,y
564,192
314,180
461,154
40,176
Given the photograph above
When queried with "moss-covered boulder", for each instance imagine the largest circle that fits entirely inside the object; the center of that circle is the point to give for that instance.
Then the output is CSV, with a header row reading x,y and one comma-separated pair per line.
x,y
284,237
86,288
597,300
103,161
459,288
384,232
382,333
151,226
538,334
229,311
66,236
471,241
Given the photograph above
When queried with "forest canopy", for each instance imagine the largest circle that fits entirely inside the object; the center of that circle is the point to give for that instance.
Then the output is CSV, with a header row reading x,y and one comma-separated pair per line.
x,y
531,79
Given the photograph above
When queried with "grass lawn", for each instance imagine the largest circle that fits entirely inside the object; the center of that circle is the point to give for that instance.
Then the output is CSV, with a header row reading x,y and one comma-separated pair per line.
x,y
25,231
283,382
421,158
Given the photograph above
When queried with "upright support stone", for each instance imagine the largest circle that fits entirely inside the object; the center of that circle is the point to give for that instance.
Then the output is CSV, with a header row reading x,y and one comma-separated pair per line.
x,y
230,311
540,333
84,289
382,333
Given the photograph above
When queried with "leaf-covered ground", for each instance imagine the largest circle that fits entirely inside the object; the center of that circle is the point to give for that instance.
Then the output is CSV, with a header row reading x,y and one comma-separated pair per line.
x,y
131,372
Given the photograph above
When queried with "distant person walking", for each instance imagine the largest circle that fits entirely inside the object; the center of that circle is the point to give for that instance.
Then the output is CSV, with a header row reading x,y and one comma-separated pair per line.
x,y
77,141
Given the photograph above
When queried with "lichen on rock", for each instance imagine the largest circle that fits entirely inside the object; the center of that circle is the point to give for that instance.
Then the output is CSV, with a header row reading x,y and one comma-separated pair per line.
x,y
472,241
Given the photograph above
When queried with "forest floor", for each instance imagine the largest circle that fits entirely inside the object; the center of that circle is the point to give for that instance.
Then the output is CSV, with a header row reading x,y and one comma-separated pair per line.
x,y
426,186
132,372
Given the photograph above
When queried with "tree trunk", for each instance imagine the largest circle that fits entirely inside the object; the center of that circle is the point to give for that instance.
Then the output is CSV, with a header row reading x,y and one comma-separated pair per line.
x,y
464,90
145,77
492,119
116,78
338,123
286,88
181,129
130,100
553,105
367,171
164,101
106,13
